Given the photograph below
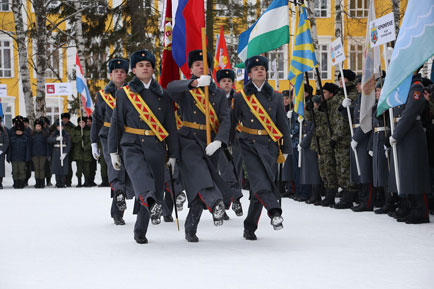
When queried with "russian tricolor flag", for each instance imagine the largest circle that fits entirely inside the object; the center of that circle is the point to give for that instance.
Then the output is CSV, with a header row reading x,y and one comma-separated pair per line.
x,y
187,23
82,88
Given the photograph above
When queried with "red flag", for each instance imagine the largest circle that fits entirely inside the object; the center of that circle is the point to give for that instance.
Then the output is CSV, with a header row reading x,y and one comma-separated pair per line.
x,y
169,68
221,60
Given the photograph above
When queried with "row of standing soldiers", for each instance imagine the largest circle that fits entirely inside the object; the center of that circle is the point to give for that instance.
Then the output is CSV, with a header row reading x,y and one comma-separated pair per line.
x,y
38,149
328,151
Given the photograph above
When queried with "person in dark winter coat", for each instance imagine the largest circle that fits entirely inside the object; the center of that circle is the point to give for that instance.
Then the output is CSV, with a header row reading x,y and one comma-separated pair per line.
x,y
59,157
4,145
19,153
39,152
142,125
46,127
104,105
412,149
81,152
260,143
198,164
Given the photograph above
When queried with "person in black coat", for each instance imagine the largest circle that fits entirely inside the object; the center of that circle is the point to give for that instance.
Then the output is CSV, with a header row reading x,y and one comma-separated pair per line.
x,y
59,157
19,153
4,145
39,152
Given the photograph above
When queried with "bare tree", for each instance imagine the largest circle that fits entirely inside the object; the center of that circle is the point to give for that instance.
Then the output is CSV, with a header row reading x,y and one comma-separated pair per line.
x,y
396,14
23,62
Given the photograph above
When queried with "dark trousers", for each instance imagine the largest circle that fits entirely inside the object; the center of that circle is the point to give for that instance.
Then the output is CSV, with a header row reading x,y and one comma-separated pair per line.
x,y
39,166
142,221
19,170
366,195
257,202
114,211
193,216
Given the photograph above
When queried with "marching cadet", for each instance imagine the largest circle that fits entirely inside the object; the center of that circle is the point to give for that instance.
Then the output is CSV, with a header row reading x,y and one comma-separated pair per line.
x,y
4,145
198,163
412,149
104,105
39,152
82,152
59,157
380,157
341,138
19,153
264,123
359,143
142,126
230,165
324,133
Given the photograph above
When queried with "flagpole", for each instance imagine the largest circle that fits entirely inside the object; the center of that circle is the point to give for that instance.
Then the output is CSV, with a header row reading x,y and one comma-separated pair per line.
x,y
313,118
349,117
392,127
205,72
300,137
60,131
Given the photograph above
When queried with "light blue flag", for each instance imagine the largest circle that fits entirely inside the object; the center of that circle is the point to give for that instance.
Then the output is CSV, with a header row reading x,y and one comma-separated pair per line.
x,y
414,46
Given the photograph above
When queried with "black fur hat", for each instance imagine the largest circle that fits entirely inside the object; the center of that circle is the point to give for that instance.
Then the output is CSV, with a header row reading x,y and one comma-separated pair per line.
x,y
225,73
331,87
256,61
197,55
118,63
142,55
348,74
65,115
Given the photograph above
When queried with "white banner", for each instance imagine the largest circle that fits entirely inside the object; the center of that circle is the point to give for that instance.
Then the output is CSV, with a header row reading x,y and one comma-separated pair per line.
x,y
3,90
58,89
382,30
239,74
337,52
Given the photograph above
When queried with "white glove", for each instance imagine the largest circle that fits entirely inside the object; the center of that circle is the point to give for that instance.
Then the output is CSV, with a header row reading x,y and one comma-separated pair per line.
x,y
95,151
354,144
285,156
299,148
204,80
59,138
171,164
116,161
289,114
392,141
1,152
213,147
346,102
62,156
371,153
386,151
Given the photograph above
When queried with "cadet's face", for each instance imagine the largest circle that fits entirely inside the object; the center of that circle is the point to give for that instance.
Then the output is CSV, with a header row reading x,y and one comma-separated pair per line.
x,y
316,105
38,127
258,73
82,123
340,81
377,93
143,70
118,76
327,94
226,84
197,68
19,132
89,122
286,100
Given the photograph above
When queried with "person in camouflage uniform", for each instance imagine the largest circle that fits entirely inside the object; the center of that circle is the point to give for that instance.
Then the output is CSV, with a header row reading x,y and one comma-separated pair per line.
x,y
326,157
82,151
341,138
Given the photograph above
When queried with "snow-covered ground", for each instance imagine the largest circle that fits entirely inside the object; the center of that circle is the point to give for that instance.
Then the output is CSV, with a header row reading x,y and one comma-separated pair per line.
x,y
65,239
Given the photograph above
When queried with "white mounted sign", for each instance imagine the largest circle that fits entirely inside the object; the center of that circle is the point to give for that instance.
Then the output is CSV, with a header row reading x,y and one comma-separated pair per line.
x,y
337,53
3,90
382,30
58,89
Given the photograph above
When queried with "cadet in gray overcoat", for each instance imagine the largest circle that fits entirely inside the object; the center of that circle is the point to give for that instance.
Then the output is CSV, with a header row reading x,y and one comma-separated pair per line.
x,y
56,140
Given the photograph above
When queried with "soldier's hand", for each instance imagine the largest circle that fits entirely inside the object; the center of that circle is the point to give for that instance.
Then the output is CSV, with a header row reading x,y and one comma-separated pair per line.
x,y
289,114
371,153
171,164
95,151
62,156
116,161
299,148
59,138
203,80
346,102
213,147
1,152
392,141
354,144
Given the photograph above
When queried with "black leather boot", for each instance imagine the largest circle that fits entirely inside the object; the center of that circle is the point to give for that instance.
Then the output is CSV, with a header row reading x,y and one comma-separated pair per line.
x,y
347,200
329,199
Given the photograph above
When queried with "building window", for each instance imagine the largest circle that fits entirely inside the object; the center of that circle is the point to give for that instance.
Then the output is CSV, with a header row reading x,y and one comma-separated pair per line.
x,y
323,63
322,8
4,6
276,64
7,114
356,58
52,113
54,61
5,58
359,8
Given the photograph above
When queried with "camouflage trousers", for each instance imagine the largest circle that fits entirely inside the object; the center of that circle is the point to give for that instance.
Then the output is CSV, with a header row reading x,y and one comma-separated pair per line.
x,y
342,155
327,168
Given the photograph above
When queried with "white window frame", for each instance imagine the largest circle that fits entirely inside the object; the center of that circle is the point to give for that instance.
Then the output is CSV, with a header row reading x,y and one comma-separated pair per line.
x,y
8,101
358,42
280,72
5,38
52,103
52,75
328,9
9,6
323,42
364,9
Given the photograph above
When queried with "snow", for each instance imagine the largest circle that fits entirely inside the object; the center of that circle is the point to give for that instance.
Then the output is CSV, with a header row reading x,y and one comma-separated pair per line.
x,y
65,238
